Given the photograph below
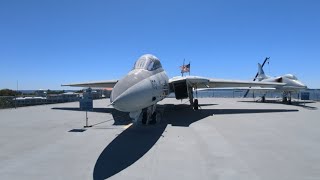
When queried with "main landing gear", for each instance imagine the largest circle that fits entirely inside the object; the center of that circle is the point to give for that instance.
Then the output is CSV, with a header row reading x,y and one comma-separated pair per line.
x,y
195,104
286,98
263,98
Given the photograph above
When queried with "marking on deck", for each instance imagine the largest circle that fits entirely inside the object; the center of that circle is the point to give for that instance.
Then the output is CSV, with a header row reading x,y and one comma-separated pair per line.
x,y
127,126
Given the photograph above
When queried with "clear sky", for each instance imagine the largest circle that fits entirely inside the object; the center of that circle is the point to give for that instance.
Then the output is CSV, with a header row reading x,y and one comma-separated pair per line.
x,y
45,43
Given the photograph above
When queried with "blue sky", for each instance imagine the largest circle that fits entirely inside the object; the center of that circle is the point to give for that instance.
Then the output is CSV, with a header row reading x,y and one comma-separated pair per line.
x,y
47,43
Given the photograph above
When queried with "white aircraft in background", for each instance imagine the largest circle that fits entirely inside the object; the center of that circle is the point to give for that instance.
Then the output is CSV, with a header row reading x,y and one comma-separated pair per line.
x,y
292,84
147,83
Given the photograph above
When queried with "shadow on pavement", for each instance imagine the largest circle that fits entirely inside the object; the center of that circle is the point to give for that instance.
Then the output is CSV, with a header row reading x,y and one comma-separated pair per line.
x,y
126,149
183,115
134,142
294,103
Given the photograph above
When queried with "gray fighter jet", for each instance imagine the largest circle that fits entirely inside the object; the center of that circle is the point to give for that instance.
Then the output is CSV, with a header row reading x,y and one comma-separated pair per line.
x,y
147,83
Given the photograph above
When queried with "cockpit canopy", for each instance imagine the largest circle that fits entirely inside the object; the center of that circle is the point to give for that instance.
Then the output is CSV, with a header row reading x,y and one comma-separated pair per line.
x,y
147,62
290,76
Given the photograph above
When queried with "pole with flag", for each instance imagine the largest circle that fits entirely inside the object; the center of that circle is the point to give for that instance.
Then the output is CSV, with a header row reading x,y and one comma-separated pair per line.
x,y
182,67
185,68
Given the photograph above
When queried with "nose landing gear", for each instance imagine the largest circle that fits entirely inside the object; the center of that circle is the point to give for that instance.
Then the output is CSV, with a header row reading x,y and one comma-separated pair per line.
x,y
154,118
150,115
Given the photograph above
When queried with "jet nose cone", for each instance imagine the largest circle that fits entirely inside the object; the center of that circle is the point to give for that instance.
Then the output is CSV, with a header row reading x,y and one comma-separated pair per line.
x,y
131,94
119,89
121,102
133,99
300,84
304,86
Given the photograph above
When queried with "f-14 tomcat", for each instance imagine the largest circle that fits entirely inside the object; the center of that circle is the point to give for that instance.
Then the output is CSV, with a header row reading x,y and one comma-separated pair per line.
x,y
147,83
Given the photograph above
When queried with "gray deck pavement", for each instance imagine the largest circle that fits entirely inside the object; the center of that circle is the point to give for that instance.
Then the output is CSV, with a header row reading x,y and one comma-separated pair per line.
x,y
227,139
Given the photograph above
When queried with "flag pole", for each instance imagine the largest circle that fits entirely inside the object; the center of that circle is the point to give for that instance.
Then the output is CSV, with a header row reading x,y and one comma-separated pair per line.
x,y
189,68
182,70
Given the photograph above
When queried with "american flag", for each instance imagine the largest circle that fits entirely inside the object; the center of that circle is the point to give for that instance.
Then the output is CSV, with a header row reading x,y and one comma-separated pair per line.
x,y
185,68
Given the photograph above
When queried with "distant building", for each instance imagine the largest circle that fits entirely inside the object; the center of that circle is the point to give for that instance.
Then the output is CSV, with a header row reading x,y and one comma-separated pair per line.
x,y
42,97
65,97
27,101
47,99
40,93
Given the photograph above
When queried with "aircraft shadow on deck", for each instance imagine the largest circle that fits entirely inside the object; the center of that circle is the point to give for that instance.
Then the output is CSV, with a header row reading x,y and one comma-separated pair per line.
x,y
126,149
134,142
294,103
183,115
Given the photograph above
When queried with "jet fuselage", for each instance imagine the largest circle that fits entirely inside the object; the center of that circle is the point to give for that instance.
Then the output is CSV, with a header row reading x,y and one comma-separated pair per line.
x,y
142,87
292,83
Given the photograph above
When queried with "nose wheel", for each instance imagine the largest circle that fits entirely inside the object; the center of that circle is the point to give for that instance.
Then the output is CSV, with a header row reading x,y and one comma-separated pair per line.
x,y
144,117
154,118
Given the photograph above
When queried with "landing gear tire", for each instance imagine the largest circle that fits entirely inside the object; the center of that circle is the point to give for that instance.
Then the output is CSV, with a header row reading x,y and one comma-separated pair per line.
x,y
284,99
144,117
153,118
289,100
196,104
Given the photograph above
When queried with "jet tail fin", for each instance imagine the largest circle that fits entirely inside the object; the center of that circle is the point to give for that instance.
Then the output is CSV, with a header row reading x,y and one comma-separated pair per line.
x,y
261,74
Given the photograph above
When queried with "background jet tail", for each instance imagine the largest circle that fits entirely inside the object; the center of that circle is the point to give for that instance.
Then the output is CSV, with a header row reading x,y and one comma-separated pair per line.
x,y
261,74
260,71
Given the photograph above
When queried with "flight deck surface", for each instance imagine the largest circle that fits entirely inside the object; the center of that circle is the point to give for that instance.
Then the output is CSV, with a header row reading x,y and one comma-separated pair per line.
x,y
226,139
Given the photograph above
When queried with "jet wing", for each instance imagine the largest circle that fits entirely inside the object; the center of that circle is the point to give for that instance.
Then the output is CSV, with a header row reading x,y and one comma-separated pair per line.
x,y
202,82
241,88
182,86
218,83
96,84
288,88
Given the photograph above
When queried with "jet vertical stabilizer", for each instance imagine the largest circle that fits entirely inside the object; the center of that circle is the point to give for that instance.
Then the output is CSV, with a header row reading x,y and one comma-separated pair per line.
x,y
261,74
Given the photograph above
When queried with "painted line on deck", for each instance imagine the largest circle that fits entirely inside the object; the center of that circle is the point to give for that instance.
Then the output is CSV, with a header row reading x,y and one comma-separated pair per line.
x,y
127,126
